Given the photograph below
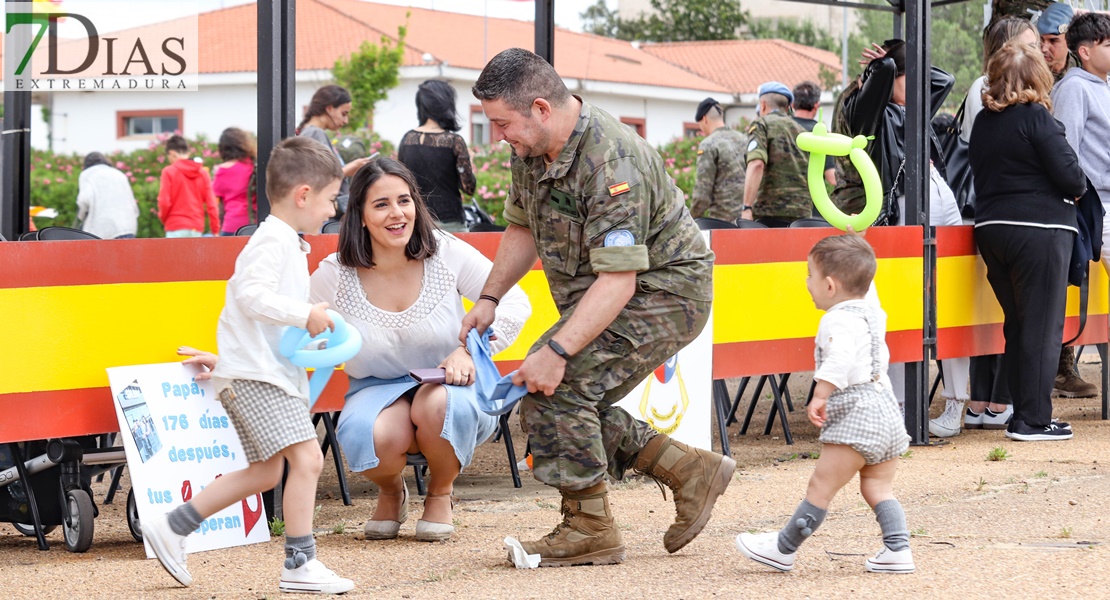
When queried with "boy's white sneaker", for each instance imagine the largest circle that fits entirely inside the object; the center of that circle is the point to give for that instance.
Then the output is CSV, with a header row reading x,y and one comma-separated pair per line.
x,y
763,548
169,548
891,561
950,422
313,578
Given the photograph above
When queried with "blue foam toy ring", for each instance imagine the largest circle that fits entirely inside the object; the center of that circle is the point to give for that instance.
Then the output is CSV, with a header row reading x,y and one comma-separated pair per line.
x,y
341,345
821,143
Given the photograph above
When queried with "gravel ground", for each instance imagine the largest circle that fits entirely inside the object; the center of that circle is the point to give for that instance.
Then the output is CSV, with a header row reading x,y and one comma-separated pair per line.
x,y
1025,526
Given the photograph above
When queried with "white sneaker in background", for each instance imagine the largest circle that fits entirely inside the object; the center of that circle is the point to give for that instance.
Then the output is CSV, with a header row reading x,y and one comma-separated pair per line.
x,y
950,422
993,420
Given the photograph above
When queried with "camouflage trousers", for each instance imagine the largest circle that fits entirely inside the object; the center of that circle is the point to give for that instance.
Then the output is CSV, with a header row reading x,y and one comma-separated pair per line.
x,y
577,435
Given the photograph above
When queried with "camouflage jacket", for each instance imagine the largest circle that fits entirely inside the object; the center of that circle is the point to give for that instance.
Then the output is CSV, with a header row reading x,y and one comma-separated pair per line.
x,y
784,191
720,179
608,204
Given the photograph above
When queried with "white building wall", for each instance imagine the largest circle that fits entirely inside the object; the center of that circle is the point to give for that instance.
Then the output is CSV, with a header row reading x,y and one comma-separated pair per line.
x,y
86,121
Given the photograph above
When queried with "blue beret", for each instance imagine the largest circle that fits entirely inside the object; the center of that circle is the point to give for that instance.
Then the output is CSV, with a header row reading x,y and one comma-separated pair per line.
x,y
1054,20
774,87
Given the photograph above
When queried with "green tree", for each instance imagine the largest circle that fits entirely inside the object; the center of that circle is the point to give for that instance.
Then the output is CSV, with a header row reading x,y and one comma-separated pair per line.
x,y
670,21
369,73
799,31
957,46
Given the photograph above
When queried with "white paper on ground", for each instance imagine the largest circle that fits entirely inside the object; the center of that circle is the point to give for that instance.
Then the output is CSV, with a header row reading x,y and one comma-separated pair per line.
x,y
521,559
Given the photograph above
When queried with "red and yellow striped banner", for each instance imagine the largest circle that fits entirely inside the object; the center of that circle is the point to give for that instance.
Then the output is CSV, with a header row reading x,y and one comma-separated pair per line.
x,y
764,320
969,319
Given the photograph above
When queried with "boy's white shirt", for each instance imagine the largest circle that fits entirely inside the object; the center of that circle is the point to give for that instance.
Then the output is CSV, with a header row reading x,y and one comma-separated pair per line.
x,y
845,341
267,292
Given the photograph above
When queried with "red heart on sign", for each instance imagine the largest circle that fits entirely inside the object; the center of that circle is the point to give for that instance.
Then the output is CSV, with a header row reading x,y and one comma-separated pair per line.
x,y
251,516
186,491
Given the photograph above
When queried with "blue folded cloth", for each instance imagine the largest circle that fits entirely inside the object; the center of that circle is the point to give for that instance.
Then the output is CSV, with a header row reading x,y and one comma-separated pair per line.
x,y
496,395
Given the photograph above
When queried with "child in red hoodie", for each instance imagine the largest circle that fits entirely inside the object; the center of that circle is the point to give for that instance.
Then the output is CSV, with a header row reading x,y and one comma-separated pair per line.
x,y
185,194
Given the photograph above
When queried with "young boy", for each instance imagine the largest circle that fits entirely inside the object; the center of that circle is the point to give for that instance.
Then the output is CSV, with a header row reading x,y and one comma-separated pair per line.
x,y
264,394
1081,102
862,429
185,194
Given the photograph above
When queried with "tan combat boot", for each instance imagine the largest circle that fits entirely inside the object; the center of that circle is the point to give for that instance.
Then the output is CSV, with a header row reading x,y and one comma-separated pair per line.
x,y
1068,383
696,478
588,534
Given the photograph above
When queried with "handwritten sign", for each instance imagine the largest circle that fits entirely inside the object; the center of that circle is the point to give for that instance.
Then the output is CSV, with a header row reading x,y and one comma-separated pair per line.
x,y
178,439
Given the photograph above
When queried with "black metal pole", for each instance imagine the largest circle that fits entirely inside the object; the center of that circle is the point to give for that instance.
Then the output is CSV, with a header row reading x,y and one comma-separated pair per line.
x,y
545,29
917,204
277,60
15,161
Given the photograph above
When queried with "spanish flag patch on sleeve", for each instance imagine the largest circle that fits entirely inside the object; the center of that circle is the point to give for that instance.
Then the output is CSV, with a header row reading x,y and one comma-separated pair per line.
x,y
618,188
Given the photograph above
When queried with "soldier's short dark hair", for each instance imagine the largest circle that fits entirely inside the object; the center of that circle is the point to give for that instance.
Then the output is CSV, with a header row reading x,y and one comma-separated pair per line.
x,y
849,259
807,95
177,144
298,161
518,77
776,101
355,247
1087,28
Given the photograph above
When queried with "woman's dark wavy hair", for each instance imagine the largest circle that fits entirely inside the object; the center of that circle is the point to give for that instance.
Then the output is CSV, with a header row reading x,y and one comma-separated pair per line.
x,y
329,95
355,246
236,144
435,100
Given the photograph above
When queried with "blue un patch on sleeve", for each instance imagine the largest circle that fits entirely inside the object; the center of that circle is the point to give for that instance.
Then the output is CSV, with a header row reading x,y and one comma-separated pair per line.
x,y
619,237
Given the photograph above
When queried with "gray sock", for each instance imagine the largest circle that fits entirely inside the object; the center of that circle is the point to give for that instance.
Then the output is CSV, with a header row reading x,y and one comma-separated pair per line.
x,y
892,520
299,550
807,518
184,519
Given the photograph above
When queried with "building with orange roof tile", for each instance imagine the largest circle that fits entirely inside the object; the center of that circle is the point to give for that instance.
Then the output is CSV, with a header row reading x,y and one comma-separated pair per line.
x,y
654,88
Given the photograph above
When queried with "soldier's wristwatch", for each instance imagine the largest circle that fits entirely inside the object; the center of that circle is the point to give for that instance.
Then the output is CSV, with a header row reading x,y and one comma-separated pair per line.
x,y
558,349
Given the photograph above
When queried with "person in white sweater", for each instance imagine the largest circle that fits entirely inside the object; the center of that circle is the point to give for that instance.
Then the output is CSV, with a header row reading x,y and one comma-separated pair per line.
x,y
400,282
106,205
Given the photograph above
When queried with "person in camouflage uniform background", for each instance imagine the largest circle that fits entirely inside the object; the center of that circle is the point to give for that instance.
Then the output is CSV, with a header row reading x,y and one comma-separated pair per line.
x,y
719,186
631,276
776,190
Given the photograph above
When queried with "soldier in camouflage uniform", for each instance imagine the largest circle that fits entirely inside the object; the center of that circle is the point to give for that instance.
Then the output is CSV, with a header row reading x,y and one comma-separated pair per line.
x,y
632,278
719,188
776,191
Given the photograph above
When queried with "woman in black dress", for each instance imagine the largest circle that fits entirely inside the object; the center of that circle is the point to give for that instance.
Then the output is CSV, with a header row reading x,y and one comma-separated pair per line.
x,y
438,156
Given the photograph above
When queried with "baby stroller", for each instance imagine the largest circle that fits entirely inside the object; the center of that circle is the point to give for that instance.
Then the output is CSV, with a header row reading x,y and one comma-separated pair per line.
x,y
46,483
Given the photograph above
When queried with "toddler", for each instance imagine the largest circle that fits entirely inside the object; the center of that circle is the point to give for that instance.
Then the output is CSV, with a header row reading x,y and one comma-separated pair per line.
x,y
862,429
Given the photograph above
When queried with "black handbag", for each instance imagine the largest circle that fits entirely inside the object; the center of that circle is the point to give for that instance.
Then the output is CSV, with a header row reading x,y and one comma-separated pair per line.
x,y
957,167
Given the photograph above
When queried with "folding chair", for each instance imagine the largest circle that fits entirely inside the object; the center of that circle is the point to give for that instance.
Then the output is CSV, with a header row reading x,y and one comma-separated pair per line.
x,y
337,454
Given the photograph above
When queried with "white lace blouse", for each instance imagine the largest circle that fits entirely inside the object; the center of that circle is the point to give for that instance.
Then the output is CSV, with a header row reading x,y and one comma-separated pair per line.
x,y
393,343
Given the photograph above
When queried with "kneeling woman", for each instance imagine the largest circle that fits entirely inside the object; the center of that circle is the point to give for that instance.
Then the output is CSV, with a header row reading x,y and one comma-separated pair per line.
x,y
400,282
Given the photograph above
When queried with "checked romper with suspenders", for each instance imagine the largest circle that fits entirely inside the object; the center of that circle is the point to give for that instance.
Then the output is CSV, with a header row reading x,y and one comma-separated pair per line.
x,y
866,416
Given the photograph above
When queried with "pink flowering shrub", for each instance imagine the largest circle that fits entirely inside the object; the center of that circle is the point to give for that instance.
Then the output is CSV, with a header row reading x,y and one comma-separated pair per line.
x,y
54,181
